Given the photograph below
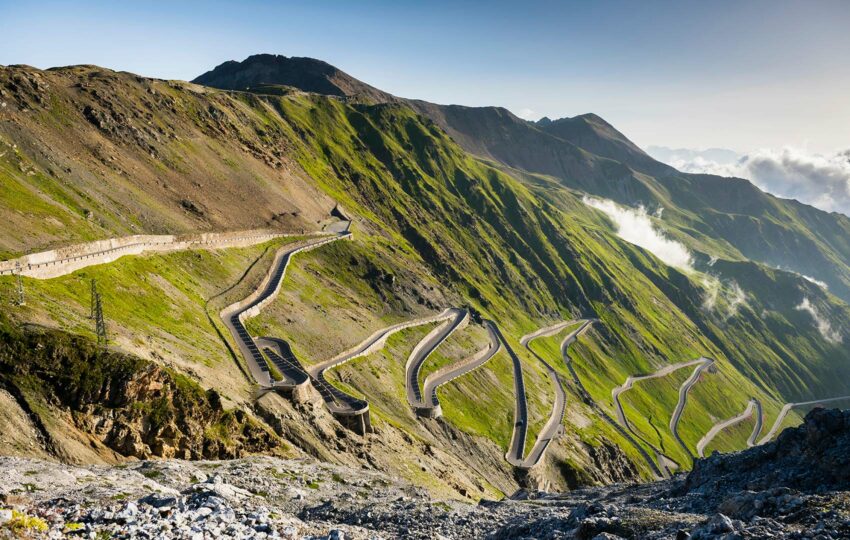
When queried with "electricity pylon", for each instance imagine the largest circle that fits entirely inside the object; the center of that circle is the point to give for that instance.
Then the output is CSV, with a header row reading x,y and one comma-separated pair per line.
x,y
20,300
97,315
100,324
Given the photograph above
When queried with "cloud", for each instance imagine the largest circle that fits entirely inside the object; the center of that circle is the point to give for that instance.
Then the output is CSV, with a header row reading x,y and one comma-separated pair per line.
x,y
820,180
527,114
817,282
716,295
635,226
735,299
823,325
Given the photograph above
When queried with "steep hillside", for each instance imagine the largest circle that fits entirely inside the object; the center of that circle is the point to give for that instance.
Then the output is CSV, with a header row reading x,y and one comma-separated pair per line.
x,y
434,227
726,217
86,404
87,153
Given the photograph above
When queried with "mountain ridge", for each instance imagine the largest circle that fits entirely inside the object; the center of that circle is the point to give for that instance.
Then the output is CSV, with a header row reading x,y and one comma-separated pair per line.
x,y
587,153
304,73
434,226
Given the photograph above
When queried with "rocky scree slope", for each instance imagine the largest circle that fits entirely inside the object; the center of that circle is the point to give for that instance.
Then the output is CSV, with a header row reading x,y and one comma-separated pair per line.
x,y
727,496
87,403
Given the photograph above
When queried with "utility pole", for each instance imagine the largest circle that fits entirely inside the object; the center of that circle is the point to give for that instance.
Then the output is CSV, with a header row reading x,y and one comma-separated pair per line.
x,y
21,300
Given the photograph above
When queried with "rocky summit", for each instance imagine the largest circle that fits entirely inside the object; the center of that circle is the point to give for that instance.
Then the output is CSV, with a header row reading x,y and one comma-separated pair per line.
x,y
796,487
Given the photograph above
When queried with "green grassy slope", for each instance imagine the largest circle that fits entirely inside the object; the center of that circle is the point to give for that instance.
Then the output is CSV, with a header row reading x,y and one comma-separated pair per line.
x,y
435,227
162,307
724,217
516,257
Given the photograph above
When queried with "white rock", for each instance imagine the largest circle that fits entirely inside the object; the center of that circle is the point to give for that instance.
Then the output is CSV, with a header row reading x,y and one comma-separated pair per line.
x,y
203,512
5,516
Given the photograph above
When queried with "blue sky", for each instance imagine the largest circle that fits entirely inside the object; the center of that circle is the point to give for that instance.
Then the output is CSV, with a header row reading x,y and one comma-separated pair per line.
x,y
741,75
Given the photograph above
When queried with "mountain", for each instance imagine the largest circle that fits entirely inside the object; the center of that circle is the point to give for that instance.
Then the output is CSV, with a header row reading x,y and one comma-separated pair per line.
x,y
307,74
451,206
728,217
592,133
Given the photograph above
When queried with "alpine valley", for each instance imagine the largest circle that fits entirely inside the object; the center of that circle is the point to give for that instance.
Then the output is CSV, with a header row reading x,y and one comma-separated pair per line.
x,y
279,302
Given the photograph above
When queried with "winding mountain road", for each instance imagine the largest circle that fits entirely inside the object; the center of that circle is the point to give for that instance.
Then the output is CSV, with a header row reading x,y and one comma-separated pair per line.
x,y
787,408
632,379
683,399
516,448
720,426
458,318
664,460
337,400
66,260
235,315
554,425
658,472
751,440
258,352
430,404
281,355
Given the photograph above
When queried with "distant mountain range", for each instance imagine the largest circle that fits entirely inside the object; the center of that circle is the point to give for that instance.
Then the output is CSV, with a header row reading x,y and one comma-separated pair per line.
x,y
587,153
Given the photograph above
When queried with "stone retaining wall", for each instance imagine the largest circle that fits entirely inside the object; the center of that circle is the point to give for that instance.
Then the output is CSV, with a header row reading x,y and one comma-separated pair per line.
x,y
62,261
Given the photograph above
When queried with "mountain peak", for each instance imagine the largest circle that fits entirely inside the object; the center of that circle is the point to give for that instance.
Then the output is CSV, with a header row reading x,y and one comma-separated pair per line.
x,y
303,73
594,134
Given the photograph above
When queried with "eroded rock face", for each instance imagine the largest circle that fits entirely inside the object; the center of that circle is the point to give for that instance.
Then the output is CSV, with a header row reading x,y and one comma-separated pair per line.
x,y
814,457
130,406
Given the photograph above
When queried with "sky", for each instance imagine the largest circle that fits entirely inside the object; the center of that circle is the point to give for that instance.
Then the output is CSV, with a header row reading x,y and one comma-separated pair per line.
x,y
738,75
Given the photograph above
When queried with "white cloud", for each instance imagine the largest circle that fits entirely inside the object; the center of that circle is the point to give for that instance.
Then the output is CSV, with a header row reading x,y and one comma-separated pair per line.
x,y
817,282
635,226
527,114
823,325
712,290
716,296
820,180
736,298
